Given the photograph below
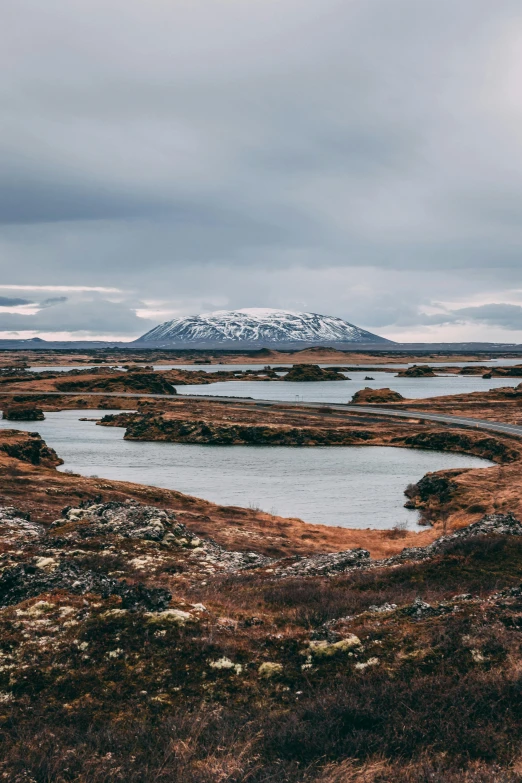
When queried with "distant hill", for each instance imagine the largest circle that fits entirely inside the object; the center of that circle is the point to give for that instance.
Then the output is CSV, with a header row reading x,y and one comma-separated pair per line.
x,y
257,327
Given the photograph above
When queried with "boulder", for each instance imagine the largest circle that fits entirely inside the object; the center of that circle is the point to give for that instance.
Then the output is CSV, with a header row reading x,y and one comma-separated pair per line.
x,y
23,413
312,372
417,371
375,396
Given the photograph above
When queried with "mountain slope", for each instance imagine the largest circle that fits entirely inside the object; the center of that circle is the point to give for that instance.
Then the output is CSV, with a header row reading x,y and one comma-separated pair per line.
x,y
260,327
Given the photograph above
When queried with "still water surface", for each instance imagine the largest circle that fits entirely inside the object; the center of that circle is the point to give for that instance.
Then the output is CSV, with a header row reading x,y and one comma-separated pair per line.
x,y
342,391
339,391
354,487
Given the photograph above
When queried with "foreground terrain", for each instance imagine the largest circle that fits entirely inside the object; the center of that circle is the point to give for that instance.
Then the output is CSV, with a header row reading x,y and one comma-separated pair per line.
x,y
148,635
134,647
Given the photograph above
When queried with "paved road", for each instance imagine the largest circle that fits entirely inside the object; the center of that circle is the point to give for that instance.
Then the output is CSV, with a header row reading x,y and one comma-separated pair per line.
x,y
459,421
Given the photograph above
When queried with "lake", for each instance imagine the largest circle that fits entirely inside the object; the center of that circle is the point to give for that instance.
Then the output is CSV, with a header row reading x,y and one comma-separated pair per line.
x,y
348,486
342,391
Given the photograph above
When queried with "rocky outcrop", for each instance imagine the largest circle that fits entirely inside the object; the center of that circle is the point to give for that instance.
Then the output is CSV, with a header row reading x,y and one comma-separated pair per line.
x,y
13,372
28,447
149,523
480,446
369,396
23,413
26,581
491,524
504,372
157,428
417,371
325,564
129,520
312,372
473,370
359,559
146,382
16,525
432,487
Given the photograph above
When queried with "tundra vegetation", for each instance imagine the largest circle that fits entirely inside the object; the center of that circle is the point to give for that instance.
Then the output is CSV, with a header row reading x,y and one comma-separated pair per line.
x,y
150,636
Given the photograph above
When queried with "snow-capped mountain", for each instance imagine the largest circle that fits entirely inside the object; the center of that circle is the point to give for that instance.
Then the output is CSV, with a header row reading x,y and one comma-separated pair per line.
x,y
258,327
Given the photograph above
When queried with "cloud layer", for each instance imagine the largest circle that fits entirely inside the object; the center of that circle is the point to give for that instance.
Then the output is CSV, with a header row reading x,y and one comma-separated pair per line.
x,y
353,158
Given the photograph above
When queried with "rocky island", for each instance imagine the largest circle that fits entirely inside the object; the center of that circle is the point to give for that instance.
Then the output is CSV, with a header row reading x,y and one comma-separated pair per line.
x,y
23,413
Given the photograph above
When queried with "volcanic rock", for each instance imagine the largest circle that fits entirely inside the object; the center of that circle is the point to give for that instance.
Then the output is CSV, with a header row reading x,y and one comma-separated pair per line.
x,y
145,382
28,447
15,525
417,371
312,372
26,581
375,396
23,413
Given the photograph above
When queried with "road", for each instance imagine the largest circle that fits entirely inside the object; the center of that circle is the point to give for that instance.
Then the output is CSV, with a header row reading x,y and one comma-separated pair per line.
x,y
458,421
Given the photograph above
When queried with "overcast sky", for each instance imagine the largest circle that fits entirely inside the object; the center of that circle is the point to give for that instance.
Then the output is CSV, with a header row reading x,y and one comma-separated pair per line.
x,y
359,158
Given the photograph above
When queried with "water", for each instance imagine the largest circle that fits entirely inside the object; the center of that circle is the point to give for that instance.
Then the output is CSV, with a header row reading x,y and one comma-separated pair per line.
x,y
238,367
338,391
342,391
349,486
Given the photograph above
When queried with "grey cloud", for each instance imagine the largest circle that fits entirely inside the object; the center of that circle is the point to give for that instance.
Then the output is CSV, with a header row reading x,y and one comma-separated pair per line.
x,y
53,300
507,316
13,301
209,151
86,315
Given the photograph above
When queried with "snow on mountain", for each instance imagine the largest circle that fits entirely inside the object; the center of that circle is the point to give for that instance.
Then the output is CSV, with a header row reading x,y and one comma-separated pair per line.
x,y
259,326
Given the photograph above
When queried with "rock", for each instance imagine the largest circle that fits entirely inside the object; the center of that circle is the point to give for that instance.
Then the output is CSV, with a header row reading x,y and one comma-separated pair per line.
x,y
25,581
432,488
491,524
227,622
16,526
515,371
383,608
23,413
269,669
312,372
129,520
150,427
481,446
417,371
325,564
146,382
420,610
375,396
134,520
351,559
28,447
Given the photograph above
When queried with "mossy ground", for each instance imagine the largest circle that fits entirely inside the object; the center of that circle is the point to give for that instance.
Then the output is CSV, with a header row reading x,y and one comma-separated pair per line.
x,y
91,692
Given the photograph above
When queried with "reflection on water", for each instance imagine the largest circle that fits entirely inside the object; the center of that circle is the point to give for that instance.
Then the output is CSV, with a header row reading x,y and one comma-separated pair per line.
x,y
346,486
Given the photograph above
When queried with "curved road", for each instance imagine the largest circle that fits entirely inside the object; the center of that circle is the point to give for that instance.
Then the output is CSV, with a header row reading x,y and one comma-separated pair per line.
x,y
459,421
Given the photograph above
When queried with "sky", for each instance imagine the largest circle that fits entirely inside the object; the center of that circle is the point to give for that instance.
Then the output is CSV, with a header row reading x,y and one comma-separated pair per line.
x,y
357,158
